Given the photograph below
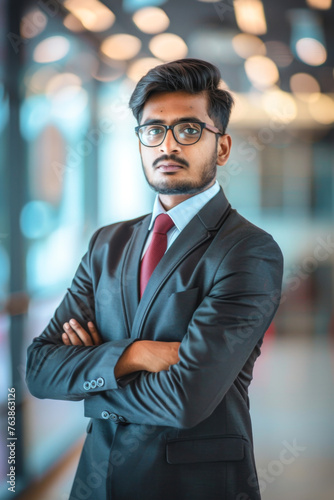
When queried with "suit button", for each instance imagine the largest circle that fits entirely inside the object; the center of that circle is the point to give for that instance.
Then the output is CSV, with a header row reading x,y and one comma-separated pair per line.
x,y
93,384
100,382
121,419
105,414
87,385
114,417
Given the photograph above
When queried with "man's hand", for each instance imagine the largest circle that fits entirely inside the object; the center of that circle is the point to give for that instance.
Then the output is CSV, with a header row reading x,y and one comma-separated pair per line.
x,y
74,334
149,355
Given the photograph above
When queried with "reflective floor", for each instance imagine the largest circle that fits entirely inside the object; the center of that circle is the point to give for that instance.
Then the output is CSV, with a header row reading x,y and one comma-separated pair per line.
x,y
292,407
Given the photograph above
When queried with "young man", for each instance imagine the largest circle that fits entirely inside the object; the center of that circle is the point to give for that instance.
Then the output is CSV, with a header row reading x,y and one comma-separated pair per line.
x,y
164,364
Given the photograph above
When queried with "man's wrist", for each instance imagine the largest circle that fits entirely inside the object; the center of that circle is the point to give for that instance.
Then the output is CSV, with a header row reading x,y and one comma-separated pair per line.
x,y
129,362
133,357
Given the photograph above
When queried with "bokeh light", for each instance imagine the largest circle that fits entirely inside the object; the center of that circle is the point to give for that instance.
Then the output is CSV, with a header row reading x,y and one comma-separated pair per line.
x,y
250,16
51,49
305,87
261,71
151,20
121,46
168,46
93,15
311,51
247,45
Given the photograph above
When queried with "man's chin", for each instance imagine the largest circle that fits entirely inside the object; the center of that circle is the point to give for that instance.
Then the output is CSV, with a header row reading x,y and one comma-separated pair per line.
x,y
182,188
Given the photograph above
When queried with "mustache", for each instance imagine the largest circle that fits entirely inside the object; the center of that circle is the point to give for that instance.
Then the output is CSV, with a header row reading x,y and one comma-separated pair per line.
x,y
172,158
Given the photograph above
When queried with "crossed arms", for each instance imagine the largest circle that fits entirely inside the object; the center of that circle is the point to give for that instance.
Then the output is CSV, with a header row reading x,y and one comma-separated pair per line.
x,y
149,355
171,383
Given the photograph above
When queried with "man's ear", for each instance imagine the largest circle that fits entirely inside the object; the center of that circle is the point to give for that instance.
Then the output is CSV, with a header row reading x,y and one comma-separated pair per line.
x,y
223,149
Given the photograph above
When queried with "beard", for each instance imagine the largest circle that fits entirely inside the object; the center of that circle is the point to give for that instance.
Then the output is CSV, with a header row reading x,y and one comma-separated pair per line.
x,y
168,185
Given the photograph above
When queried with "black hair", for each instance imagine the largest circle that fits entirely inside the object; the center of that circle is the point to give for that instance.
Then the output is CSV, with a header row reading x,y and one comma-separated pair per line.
x,y
189,75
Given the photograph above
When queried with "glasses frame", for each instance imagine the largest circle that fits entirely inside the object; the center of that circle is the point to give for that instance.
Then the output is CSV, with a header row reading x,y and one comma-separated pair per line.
x,y
203,126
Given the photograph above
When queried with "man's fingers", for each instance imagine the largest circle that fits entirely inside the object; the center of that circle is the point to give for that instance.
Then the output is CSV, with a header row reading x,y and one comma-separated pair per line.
x,y
84,336
76,334
94,333
66,339
71,335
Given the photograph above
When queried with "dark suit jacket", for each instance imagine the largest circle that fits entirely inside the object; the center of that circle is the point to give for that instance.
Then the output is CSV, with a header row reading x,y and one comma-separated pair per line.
x,y
179,434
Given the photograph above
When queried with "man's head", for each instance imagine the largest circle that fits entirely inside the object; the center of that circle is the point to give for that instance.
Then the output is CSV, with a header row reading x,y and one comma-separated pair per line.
x,y
182,161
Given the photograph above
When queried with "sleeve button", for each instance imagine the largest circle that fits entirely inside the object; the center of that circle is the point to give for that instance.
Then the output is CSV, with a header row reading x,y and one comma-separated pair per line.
x,y
105,414
114,417
100,382
87,385
93,384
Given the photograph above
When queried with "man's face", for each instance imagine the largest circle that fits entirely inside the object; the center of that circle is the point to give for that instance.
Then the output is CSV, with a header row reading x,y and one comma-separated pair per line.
x,y
173,168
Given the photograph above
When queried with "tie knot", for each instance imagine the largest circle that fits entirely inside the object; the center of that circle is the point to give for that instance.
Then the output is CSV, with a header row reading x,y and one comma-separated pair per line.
x,y
162,224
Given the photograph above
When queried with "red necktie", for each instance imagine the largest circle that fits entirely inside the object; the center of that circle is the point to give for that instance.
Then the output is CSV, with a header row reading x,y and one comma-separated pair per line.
x,y
156,249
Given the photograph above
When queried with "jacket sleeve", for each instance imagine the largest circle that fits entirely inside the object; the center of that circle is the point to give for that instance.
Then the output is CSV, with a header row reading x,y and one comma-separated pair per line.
x,y
56,371
221,336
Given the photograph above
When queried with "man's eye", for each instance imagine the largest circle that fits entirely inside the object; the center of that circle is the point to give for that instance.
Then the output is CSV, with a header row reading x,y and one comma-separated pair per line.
x,y
154,131
190,131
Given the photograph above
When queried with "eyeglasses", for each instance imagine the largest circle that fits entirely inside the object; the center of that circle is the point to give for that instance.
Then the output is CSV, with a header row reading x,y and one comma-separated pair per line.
x,y
185,133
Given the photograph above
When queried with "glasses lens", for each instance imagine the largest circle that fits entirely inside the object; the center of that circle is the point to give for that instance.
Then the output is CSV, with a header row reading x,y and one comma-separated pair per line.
x,y
151,135
187,133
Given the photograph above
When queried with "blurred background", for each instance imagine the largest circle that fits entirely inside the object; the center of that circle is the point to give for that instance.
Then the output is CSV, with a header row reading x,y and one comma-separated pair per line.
x,y
69,163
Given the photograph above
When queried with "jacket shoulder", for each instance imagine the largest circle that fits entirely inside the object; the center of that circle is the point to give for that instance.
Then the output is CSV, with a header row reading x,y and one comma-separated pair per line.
x,y
242,237
243,228
122,229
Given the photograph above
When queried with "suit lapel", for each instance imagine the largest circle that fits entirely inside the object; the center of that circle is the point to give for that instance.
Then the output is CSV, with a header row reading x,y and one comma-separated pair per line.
x,y
130,270
201,228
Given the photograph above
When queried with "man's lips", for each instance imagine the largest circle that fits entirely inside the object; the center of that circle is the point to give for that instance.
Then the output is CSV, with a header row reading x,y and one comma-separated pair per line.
x,y
169,167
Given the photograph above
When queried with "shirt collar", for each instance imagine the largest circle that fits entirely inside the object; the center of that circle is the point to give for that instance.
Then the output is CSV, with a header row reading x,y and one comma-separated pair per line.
x,y
182,213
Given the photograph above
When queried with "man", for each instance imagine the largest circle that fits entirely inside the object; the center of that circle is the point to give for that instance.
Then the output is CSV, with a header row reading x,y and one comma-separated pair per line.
x,y
165,317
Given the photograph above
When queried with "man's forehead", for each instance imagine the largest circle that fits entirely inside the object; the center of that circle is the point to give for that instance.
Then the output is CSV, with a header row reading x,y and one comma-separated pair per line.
x,y
175,103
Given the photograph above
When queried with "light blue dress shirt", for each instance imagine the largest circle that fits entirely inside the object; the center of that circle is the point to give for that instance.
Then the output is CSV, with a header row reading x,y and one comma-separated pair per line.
x,y
181,214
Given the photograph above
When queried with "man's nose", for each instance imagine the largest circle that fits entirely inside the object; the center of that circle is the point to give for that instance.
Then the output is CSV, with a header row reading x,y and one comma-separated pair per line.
x,y
169,144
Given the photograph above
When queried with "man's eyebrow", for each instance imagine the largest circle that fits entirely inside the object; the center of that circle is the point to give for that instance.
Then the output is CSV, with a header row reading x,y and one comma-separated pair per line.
x,y
150,121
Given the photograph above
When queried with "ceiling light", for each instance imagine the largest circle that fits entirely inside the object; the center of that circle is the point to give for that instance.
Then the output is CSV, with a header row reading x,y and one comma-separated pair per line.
x,y
246,45
322,110
320,4
151,20
311,51
261,71
94,15
305,87
168,46
307,36
140,67
121,46
250,16
51,49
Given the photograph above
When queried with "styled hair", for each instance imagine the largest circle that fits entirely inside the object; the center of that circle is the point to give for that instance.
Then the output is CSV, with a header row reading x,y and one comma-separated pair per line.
x,y
189,75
